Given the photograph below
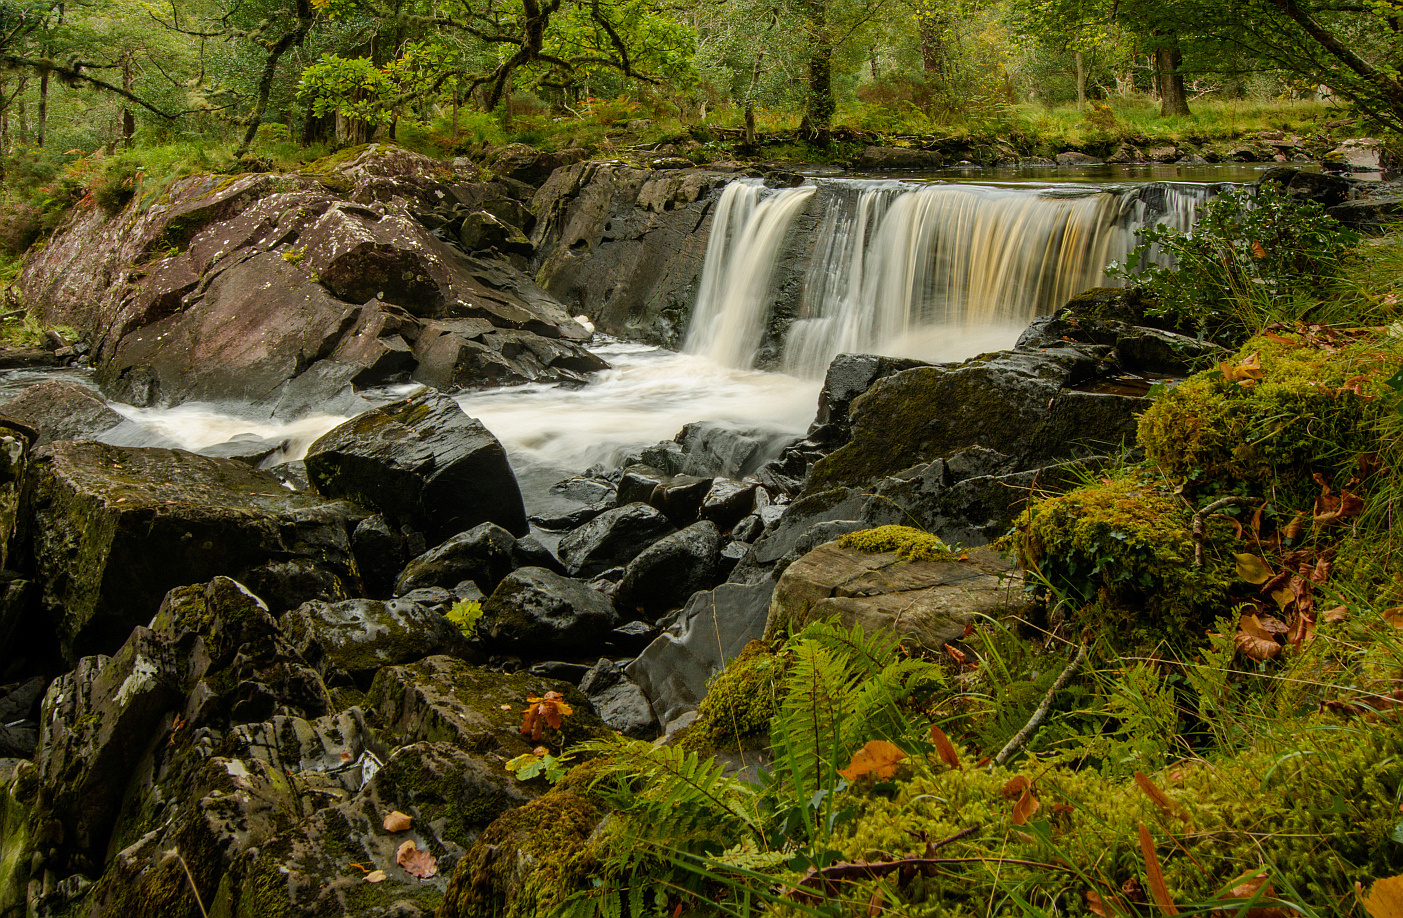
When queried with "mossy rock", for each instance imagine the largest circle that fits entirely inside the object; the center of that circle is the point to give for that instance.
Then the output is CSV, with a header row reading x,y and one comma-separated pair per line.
x,y
1272,428
739,702
1122,551
905,541
528,862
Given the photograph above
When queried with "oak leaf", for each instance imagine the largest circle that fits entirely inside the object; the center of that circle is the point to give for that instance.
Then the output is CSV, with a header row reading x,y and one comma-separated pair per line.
x,y
416,861
878,758
550,708
1026,804
397,822
1385,898
1245,372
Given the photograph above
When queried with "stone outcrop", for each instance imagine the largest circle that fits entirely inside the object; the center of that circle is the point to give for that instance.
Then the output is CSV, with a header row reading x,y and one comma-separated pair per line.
x,y
287,291
112,529
423,462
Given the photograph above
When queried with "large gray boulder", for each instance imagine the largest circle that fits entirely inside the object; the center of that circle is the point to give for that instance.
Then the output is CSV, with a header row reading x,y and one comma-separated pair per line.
x,y
356,637
113,529
420,461
62,410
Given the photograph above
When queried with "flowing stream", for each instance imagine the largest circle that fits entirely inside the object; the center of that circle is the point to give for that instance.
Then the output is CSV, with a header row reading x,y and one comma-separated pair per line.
x,y
936,271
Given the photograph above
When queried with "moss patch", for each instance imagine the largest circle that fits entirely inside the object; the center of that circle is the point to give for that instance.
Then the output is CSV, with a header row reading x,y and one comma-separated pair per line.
x,y
739,702
909,543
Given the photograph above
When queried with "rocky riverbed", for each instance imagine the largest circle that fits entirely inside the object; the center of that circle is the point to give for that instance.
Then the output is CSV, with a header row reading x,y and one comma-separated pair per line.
x,y
222,682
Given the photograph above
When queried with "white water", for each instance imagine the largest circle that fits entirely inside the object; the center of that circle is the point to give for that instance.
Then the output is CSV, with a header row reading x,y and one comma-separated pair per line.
x,y
936,272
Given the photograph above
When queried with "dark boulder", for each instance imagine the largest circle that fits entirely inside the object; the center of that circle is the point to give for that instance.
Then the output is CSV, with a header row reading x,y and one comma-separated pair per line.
x,y
114,529
420,461
381,553
535,612
613,538
621,704
62,410
712,448
357,637
847,377
483,554
727,502
1319,187
895,159
670,570
680,498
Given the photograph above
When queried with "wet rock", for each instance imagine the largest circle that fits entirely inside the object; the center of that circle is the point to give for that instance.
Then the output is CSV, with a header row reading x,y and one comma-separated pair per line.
x,y
712,628
921,603
1077,158
535,612
483,554
727,502
421,461
62,410
614,537
638,483
464,353
441,699
847,377
670,570
1324,189
481,230
529,552
95,725
359,636
712,448
15,460
19,722
883,159
1362,154
621,704
249,448
380,554
680,498
522,163
1372,214
115,529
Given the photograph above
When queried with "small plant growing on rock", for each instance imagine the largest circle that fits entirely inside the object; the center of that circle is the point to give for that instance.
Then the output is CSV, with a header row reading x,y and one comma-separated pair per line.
x,y
551,708
465,614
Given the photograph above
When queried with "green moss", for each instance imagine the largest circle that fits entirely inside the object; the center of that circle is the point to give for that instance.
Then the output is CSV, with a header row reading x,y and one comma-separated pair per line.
x,y
909,543
1123,551
1274,433
739,702
528,862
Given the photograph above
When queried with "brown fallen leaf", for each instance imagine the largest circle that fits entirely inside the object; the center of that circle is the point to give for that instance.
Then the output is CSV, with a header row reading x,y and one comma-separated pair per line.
x,y
416,861
1336,615
375,876
878,758
1154,874
956,654
397,822
944,747
1167,804
1254,641
550,708
1026,804
1385,898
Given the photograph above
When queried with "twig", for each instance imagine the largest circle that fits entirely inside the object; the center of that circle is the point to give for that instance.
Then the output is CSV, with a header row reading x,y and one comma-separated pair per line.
x,y
1022,736
1201,523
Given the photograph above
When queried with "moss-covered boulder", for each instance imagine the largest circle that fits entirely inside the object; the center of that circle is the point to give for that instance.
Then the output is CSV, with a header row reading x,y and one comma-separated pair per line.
x,y
537,613
441,699
1264,415
1007,402
1123,552
17,792
922,602
420,461
114,528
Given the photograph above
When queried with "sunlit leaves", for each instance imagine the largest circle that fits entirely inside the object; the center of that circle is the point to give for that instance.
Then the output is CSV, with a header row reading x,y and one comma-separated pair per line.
x,y
550,709
877,758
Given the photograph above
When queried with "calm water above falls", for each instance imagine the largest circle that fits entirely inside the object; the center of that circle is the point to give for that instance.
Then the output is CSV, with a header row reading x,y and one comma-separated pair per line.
x,y
868,282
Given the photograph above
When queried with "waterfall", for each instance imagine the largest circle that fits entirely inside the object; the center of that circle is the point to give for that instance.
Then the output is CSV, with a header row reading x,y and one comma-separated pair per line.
x,y
733,301
891,266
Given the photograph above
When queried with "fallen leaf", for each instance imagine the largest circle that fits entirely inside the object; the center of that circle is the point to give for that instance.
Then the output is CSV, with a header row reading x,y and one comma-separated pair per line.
x,y
1393,616
878,758
944,747
1254,641
550,708
1154,874
1385,898
1283,598
1026,804
375,876
397,822
1167,804
416,861
1336,615
1252,569
956,654
1257,251
874,904
1099,906
1295,528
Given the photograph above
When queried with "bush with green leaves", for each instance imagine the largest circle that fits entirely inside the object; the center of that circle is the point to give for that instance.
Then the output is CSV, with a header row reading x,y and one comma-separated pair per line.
x,y
1255,255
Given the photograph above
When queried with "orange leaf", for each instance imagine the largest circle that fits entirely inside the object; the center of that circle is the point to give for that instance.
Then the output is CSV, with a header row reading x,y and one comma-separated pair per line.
x,y
1027,804
1245,372
416,861
1385,898
1257,251
1167,804
956,654
1255,642
1295,527
1154,874
948,755
397,822
878,757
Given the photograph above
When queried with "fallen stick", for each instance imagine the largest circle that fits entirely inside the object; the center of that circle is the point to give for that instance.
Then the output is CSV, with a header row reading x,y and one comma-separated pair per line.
x,y
1022,736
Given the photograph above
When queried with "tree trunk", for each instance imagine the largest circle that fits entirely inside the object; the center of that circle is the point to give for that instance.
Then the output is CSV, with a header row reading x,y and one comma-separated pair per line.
x,y
43,116
817,126
928,28
128,116
1081,83
290,39
1173,100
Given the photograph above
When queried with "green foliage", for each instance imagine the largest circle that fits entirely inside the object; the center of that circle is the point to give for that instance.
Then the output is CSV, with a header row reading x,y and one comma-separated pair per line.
x,y
739,702
1253,257
464,614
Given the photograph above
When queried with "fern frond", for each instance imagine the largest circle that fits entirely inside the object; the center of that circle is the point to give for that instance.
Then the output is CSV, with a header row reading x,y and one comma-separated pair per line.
x,y
806,733
867,653
878,706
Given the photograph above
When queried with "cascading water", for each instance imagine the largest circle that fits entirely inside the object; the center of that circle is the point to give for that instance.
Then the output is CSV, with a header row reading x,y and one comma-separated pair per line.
x,y
732,303
897,268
